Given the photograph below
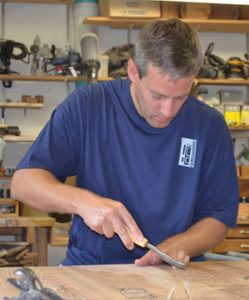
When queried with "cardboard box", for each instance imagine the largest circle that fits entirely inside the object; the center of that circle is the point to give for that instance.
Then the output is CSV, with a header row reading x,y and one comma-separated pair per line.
x,y
221,11
169,9
129,9
244,12
195,11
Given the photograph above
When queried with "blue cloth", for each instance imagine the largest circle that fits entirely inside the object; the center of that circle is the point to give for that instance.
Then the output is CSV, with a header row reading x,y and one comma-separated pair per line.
x,y
168,178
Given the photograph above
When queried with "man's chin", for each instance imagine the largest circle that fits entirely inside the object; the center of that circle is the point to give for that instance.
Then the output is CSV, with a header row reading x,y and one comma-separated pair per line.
x,y
159,124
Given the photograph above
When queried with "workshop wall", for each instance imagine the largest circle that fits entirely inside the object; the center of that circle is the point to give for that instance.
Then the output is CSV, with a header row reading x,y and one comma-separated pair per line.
x,y
24,21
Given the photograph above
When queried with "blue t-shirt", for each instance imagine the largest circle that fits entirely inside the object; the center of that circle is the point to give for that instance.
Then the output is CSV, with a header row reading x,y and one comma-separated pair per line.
x,y
168,178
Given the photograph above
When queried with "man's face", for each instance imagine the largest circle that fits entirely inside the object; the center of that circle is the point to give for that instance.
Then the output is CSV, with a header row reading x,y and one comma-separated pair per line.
x,y
157,98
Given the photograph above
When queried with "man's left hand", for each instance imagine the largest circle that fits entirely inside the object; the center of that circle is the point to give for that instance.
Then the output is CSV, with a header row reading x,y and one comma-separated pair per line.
x,y
150,258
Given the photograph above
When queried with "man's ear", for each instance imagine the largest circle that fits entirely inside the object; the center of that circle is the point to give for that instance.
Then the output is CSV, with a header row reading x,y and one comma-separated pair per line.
x,y
132,71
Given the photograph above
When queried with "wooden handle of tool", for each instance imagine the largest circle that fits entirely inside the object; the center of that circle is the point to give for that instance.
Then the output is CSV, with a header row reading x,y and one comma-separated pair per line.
x,y
142,243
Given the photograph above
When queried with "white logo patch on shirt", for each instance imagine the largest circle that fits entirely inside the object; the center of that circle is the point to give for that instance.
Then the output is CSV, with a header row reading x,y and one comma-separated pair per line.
x,y
187,153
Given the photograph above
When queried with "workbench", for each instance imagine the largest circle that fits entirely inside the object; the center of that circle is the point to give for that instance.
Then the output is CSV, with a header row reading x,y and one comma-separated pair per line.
x,y
205,281
238,238
31,230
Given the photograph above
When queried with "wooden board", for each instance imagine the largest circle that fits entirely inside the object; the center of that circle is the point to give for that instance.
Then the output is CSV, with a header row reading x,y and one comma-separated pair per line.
x,y
21,138
27,222
206,280
21,105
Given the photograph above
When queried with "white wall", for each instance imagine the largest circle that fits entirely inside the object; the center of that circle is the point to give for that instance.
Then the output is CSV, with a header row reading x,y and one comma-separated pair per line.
x,y
24,21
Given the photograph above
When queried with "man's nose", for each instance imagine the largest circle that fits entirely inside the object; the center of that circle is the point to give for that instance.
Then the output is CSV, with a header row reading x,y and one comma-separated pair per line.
x,y
167,108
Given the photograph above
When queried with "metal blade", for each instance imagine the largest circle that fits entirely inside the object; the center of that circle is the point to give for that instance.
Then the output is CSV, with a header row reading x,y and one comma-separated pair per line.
x,y
169,260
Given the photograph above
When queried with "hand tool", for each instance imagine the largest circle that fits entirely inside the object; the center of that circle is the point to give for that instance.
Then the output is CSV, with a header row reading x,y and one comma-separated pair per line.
x,y
168,259
31,287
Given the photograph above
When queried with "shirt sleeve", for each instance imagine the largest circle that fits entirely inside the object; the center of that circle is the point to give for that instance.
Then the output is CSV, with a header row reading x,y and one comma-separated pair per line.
x,y
218,191
55,148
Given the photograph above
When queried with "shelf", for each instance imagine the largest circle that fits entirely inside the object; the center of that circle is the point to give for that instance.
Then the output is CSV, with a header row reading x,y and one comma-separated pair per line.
x,y
9,202
17,139
105,78
59,234
59,78
230,81
21,105
214,25
239,128
199,81
41,1
243,178
52,78
219,81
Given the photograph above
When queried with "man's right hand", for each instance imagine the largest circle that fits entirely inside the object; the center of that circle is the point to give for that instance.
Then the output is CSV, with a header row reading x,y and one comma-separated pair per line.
x,y
107,217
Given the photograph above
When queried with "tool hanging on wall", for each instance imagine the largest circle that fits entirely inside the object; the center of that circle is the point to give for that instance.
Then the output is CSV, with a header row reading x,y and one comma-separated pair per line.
x,y
212,65
2,151
118,58
34,51
246,68
8,50
62,65
235,68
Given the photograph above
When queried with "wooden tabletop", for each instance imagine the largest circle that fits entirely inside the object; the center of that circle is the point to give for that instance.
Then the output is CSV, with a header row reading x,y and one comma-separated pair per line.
x,y
26,221
201,281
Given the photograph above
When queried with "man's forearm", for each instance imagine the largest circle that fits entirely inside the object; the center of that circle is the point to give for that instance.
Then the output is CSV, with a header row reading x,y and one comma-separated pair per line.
x,y
199,238
41,190
195,241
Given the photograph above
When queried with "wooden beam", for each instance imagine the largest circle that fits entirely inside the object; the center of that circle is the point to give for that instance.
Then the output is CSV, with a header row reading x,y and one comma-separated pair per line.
x,y
27,222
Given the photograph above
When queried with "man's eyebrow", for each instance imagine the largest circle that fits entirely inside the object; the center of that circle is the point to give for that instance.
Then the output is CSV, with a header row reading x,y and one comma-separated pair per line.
x,y
156,93
162,95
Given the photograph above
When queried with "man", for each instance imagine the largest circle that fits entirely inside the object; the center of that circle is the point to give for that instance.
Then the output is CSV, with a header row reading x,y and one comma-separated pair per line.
x,y
147,156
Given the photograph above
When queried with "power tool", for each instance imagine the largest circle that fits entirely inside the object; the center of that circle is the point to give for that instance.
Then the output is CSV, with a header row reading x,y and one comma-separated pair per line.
x,y
235,68
212,64
7,52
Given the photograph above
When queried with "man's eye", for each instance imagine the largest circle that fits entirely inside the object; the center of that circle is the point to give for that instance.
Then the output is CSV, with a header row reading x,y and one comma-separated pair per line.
x,y
157,97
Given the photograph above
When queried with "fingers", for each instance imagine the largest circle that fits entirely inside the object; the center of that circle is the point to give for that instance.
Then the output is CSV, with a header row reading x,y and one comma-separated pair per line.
x,y
123,225
182,257
108,230
149,258
152,259
107,216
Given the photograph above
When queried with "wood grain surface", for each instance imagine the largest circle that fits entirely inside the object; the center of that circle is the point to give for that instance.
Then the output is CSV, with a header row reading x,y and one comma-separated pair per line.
x,y
206,281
